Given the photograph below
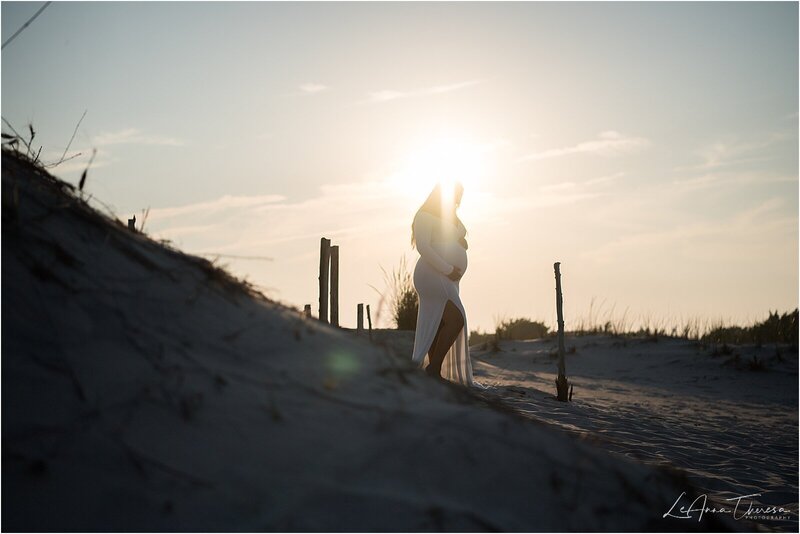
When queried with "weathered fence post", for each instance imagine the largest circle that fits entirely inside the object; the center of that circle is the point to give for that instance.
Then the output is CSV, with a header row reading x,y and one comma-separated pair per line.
x,y
369,322
132,223
360,319
307,311
324,262
335,285
562,385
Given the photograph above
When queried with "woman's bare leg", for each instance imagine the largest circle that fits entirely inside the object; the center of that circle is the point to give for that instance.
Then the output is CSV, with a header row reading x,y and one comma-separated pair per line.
x,y
450,326
435,341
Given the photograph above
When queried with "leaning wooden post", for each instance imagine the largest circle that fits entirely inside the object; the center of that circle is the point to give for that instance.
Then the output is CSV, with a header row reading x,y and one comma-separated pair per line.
x,y
324,262
360,319
562,385
335,285
369,322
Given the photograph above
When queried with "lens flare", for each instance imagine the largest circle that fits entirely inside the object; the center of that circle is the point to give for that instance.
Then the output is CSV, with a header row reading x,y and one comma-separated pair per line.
x,y
342,364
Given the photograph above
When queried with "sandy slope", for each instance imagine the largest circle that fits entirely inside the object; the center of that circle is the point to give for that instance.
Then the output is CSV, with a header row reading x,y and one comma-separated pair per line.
x,y
672,402
142,390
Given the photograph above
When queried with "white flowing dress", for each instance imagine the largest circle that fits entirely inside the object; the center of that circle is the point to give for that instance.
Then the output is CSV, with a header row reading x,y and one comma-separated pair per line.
x,y
437,241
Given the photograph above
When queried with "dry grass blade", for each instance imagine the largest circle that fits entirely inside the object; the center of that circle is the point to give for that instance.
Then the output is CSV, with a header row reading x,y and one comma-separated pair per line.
x,y
145,213
17,136
83,174
11,140
64,155
33,135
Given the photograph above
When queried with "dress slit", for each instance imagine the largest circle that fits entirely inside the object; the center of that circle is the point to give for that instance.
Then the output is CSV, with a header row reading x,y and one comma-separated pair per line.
x,y
460,332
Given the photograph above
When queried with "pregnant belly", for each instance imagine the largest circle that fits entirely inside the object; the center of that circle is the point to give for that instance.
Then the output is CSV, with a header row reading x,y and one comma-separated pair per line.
x,y
455,254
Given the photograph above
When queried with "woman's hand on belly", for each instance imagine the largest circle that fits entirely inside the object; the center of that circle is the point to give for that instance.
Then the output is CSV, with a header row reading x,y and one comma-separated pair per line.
x,y
454,254
456,275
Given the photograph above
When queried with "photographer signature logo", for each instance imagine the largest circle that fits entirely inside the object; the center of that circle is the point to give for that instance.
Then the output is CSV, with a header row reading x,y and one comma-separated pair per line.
x,y
742,507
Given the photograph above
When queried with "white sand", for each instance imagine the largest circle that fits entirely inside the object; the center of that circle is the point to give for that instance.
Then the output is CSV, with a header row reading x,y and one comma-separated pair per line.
x,y
142,392
669,402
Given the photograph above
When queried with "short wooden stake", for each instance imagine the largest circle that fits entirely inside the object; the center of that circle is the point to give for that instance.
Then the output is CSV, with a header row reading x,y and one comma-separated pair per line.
x,y
307,311
335,285
563,392
132,223
360,318
324,263
369,322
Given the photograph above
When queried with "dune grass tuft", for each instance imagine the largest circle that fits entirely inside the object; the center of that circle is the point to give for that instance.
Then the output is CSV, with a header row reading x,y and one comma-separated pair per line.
x,y
401,296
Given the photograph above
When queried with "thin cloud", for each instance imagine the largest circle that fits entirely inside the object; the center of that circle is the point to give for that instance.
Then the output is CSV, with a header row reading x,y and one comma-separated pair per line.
x,y
733,152
259,221
757,222
313,88
555,188
605,179
608,143
570,186
78,166
214,206
752,215
391,94
134,136
76,160
727,179
190,230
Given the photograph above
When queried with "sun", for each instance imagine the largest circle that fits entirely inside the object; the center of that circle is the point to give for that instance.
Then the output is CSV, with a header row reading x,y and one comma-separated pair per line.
x,y
442,159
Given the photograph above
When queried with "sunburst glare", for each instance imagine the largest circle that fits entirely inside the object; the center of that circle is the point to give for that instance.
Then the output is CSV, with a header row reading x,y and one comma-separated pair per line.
x,y
443,159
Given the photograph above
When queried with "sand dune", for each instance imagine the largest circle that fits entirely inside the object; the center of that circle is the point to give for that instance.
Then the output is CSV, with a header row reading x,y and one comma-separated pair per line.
x,y
670,402
145,390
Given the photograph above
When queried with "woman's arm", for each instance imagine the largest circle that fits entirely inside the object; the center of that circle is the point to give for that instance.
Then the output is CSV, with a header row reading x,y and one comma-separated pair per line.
x,y
463,231
423,228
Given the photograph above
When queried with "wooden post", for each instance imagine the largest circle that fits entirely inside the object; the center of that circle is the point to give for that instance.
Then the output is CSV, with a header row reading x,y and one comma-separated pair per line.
x,y
324,262
132,223
335,285
360,319
307,311
563,392
369,322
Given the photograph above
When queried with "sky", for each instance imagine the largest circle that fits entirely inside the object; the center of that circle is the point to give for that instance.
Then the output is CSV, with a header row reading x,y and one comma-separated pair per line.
x,y
651,148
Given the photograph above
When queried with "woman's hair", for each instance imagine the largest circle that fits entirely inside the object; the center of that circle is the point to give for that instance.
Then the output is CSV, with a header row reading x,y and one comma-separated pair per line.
x,y
433,205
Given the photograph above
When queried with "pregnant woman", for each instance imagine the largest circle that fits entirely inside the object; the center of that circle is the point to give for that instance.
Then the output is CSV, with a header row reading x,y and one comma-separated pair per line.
x,y
440,341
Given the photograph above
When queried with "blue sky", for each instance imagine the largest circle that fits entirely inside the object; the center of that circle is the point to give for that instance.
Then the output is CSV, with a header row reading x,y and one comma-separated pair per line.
x,y
652,148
